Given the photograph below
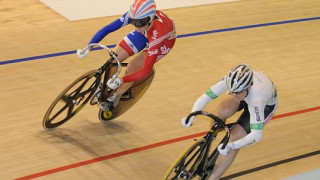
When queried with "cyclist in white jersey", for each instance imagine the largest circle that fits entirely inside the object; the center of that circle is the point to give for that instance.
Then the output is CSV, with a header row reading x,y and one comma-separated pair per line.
x,y
250,90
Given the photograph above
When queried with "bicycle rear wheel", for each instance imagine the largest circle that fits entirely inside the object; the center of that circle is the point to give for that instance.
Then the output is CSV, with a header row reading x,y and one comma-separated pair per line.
x,y
71,100
187,163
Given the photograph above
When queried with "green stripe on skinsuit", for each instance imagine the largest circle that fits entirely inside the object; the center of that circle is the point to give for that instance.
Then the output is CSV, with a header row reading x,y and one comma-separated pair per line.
x,y
257,126
211,94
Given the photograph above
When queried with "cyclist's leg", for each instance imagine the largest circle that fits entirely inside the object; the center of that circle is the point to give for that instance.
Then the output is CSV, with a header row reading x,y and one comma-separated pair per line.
x,y
139,47
223,162
226,109
132,44
136,43
122,54
238,131
134,65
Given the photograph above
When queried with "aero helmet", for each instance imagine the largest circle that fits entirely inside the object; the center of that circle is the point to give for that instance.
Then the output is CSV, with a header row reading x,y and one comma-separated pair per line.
x,y
142,12
239,78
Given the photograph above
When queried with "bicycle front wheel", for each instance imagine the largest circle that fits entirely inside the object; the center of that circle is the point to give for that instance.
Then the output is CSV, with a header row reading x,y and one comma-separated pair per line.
x,y
187,163
71,100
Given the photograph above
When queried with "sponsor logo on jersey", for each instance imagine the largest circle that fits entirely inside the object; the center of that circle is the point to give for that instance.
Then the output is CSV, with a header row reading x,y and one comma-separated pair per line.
x,y
250,143
160,57
154,34
164,49
153,52
256,110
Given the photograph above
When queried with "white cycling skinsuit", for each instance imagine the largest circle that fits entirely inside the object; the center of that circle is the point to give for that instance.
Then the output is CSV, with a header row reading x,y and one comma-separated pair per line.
x,y
259,106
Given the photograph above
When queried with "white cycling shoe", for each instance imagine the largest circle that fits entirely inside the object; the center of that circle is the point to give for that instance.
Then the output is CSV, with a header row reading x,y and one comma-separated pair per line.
x,y
111,103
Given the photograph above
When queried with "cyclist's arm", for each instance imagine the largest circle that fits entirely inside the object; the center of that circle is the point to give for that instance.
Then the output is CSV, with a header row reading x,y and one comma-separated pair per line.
x,y
115,25
256,125
212,93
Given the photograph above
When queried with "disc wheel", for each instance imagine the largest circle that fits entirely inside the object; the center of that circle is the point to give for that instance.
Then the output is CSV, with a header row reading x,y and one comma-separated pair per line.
x,y
71,100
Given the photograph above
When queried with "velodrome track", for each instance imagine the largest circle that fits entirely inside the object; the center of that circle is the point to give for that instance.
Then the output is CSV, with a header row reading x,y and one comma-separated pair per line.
x,y
38,61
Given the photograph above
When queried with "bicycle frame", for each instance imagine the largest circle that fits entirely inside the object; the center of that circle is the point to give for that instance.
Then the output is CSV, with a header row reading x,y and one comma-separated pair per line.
x,y
206,162
209,161
104,68
112,55
91,86
74,97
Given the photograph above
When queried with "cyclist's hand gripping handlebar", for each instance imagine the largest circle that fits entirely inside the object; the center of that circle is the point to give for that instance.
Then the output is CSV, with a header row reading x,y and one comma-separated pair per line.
x,y
218,121
213,117
83,52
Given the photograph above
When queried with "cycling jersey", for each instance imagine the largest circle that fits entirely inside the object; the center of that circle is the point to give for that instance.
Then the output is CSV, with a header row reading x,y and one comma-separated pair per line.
x,y
261,95
157,40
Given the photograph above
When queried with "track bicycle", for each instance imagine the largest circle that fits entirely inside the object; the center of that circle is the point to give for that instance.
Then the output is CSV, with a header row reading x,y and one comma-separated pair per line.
x,y
198,160
91,87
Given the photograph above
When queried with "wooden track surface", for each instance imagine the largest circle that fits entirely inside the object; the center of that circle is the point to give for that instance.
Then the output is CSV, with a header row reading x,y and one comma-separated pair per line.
x,y
287,52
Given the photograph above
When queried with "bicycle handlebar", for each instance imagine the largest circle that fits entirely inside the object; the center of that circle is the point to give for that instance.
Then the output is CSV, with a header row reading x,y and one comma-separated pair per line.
x,y
216,119
111,53
213,117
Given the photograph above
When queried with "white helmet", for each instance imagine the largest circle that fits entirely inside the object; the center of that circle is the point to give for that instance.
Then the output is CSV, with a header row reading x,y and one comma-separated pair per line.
x,y
239,78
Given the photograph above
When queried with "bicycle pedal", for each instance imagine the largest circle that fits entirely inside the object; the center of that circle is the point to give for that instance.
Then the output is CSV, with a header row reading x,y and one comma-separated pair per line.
x,y
106,106
127,95
110,105
126,98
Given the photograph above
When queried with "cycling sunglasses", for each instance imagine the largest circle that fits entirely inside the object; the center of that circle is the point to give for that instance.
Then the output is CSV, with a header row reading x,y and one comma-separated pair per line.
x,y
140,22
237,93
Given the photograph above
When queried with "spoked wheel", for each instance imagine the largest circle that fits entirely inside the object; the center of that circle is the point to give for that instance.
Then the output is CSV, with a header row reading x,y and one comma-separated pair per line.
x,y
71,100
187,163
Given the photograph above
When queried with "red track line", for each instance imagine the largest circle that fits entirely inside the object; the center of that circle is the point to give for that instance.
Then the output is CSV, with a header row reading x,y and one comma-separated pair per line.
x,y
296,112
130,151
